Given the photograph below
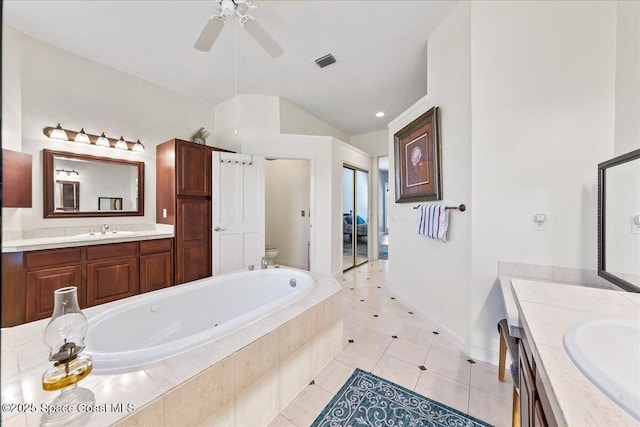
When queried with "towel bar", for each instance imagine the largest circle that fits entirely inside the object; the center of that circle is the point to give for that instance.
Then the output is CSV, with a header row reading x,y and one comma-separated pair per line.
x,y
460,208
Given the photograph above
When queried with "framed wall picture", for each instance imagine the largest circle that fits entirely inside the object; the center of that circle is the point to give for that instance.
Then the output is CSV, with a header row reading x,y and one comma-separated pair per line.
x,y
417,159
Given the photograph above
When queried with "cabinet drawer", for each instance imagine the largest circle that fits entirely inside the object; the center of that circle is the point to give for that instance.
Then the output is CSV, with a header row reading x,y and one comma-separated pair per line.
x,y
155,246
114,250
53,257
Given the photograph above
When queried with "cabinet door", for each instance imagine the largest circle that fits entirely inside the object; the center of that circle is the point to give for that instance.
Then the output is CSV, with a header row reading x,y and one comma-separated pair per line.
x,y
527,390
111,280
41,284
539,419
193,240
156,271
193,169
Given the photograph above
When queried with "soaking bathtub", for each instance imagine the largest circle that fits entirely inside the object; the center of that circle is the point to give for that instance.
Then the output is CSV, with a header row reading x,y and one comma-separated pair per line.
x,y
165,323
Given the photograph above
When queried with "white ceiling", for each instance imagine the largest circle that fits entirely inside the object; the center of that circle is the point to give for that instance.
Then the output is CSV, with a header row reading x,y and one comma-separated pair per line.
x,y
380,47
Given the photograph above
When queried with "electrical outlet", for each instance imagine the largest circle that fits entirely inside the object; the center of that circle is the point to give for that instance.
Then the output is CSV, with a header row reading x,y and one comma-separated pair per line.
x,y
539,222
164,213
539,226
301,213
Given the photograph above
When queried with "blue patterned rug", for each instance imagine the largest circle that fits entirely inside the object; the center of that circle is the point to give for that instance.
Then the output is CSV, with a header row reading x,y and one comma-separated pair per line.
x,y
368,400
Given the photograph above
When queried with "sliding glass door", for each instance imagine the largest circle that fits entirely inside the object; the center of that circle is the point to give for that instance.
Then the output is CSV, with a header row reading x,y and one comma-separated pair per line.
x,y
355,217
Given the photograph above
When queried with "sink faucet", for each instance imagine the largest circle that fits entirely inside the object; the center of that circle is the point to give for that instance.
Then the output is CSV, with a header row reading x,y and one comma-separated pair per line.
x,y
264,263
105,227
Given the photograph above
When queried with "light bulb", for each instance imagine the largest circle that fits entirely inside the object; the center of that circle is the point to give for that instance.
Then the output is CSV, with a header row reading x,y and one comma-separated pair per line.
x,y
138,147
102,141
122,144
82,137
58,133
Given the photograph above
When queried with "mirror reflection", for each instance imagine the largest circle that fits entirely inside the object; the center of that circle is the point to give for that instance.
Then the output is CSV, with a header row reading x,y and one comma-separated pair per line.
x,y
82,185
620,220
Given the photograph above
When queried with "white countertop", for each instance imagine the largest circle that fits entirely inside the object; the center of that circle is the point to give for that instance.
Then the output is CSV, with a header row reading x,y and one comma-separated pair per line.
x,y
35,244
546,311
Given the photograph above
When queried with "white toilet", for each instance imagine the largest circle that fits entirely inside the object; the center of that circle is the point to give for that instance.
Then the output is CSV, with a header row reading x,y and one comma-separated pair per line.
x,y
271,252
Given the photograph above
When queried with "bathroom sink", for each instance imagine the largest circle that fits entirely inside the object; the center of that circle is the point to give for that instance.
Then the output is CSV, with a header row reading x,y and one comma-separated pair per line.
x,y
107,235
607,352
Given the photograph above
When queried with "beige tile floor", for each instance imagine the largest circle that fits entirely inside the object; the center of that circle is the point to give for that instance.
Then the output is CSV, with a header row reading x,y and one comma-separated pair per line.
x,y
372,319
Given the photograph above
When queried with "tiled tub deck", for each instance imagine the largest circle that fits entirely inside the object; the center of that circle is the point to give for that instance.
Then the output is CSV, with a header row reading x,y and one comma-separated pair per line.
x,y
245,378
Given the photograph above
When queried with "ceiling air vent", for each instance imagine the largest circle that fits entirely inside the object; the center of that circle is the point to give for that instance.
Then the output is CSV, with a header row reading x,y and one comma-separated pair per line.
x,y
325,60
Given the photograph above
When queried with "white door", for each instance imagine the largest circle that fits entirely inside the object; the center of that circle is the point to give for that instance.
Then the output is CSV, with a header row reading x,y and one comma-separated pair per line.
x,y
238,211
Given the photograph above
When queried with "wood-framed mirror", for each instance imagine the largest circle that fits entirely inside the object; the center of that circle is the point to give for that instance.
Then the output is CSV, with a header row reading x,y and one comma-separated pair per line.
x,y
619,220
102,178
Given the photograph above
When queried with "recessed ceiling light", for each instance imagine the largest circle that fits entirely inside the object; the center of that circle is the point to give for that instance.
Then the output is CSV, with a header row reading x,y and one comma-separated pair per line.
x,y
379,114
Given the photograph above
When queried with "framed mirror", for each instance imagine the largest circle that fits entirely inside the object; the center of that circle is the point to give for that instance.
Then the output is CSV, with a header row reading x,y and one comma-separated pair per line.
x,y
110,187
619,221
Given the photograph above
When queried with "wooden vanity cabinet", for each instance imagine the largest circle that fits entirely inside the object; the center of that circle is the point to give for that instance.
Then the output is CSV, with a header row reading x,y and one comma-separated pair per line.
x,y
112,272
156,265
47,271
535,409
102,273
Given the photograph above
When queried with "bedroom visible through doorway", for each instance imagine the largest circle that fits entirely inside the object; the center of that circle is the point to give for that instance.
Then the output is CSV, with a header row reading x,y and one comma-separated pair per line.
x,y
355,217
383,207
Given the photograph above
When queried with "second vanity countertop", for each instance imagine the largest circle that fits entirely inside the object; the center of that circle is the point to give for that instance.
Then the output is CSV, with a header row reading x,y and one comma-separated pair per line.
x,y
79,239
546,311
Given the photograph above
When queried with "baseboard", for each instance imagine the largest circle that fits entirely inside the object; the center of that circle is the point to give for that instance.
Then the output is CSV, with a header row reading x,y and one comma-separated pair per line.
x,y
475,353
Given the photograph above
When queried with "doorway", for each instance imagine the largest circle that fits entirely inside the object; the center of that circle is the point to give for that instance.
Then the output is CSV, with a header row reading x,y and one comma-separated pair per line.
x,y
287,212
355,217
383,207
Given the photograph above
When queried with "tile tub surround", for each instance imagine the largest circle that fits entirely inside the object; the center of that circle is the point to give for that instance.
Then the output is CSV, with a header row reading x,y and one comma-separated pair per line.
x,y
263,365
53,238
547,310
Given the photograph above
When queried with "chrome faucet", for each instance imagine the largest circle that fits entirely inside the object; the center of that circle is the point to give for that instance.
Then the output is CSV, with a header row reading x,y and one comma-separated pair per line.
x,y
264,263
105,227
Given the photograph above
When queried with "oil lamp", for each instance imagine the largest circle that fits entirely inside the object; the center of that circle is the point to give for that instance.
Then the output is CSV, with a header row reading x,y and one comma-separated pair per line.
x,y
64,335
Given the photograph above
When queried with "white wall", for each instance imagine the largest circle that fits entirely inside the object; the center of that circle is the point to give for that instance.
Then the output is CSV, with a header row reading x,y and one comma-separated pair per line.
x,y
627,136
287,194
57,86
295,120
373,143
527,114
259,133
434,277
542,119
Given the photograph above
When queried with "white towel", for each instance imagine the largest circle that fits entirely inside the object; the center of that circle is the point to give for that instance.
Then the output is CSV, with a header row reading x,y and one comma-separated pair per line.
x,y
434,221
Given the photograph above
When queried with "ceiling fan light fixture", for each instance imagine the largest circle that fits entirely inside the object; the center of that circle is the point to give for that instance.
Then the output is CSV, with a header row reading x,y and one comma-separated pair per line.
x,y
328,59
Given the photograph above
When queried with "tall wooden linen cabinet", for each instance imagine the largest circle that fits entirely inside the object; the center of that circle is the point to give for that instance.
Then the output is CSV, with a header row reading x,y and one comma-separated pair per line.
x,y
183,199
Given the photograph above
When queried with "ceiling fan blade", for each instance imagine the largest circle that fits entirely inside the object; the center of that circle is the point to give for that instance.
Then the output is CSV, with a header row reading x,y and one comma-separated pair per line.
x,y
209,33
263,38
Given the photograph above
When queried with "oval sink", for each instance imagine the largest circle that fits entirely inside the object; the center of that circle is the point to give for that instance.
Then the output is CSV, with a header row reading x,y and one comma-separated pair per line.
x,y
607,352
107,235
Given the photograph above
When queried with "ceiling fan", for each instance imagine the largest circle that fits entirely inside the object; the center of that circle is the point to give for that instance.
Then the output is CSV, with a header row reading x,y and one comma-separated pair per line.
x,y
236,8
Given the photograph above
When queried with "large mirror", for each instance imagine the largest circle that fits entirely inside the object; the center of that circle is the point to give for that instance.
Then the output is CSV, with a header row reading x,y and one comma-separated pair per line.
x,y
79,185
619,221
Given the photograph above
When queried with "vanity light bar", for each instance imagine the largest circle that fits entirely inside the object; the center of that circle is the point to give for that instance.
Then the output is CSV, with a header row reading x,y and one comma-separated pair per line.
x,y
69,172
99,140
